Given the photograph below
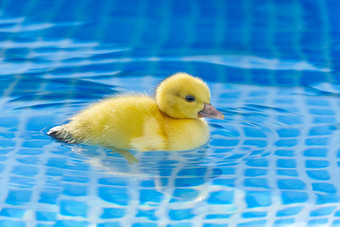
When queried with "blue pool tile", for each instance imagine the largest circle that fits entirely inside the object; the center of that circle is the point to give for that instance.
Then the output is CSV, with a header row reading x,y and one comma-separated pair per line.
x,y
253,132
180,214
221,197
292,184
6,143
258,93
337,213
12,212
8,122
18,197
252,223
12,223
254,214
284,153
78,166
317,222
321,141
184,193
230,131
148,184
289,120
75,190
286,143
218,216
255,172
223,171
114,195
180,224
57,162
258,199
73,208
290,197
290,211
322,211
224,182
324,120
257,143
284,222
288,132
37,123
148,195
192,172
215,225
76,179
286,163
256,182
109,213
2,167
144,224
321,130
327,198
7,135
23,182
322,112
54,172
287,172
315,152
4,150
45,216
29,151
165,172
324,187
318,174
189,182
35,143
223,142
29,160
316,164
261,162
317,102
113,181
70,223
49,197
336,222
284,101
44,225
25,170
149,214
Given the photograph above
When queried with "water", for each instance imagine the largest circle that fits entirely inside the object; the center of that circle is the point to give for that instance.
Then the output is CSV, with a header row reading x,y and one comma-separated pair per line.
x,y
273,71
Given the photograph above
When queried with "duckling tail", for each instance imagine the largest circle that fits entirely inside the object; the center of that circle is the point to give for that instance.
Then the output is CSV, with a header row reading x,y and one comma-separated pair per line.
x,y
62,134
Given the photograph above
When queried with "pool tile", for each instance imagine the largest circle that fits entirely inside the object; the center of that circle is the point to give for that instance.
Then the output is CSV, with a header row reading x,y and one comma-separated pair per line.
x,y
73,208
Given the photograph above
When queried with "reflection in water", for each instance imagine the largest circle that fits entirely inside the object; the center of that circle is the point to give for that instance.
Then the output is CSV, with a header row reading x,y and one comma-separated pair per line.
x,y
169,170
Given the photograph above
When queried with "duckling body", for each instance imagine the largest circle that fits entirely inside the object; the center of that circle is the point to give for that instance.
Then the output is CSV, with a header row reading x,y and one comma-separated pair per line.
x,y
172,121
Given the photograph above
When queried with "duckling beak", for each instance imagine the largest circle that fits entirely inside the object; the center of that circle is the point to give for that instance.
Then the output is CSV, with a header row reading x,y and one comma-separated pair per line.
x,y
211,112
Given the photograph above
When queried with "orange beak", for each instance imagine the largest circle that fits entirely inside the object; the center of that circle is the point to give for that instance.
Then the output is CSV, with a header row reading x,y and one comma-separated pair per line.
x,y
211,112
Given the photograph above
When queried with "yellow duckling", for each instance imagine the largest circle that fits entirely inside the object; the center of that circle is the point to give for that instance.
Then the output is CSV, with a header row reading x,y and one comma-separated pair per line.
x,y
172,121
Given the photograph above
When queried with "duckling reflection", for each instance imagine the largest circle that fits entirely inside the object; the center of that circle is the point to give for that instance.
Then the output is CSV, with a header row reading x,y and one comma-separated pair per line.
x,y
173,121
179,176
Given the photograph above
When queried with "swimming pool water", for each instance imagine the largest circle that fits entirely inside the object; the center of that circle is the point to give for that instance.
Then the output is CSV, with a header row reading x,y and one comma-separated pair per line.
x,y
272,67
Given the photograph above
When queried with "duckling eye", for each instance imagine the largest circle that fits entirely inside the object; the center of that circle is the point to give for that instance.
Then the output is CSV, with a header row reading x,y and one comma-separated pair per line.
x,y
190,98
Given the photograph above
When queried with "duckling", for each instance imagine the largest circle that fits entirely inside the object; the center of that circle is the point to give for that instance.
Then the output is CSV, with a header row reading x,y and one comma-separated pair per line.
x,y
172,121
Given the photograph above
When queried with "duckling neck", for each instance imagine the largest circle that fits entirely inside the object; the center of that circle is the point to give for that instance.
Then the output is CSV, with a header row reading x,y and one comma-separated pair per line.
x,y
185,133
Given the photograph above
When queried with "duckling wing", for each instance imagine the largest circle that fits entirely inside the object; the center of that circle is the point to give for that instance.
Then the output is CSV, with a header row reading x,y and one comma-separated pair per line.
x,y
132,122
152,137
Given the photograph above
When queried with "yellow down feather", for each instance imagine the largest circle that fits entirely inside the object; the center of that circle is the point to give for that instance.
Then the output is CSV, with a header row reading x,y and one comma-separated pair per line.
x,y
142,123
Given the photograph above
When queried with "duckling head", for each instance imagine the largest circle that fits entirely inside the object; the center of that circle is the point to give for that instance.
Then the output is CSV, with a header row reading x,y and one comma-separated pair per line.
x,y
184,96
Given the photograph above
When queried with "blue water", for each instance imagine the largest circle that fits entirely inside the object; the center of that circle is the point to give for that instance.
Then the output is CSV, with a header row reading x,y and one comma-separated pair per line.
x,y
273,69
